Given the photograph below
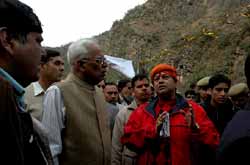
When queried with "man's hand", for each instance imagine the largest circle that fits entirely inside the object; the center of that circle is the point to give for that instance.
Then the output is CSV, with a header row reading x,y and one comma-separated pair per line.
x,y
190,117
160,119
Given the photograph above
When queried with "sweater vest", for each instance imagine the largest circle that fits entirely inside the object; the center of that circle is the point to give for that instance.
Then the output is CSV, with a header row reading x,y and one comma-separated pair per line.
x,y
86,136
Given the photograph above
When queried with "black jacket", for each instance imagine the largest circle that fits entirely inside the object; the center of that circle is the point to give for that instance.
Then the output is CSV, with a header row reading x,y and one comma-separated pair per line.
x,y
235,141
220,116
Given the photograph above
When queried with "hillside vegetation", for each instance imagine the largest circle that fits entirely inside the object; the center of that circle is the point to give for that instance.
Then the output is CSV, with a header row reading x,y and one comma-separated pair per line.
x,y
199,37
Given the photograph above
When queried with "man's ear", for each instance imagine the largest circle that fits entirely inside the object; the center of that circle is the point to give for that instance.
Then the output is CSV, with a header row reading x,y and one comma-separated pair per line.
x,y
41,66
80,65
5,43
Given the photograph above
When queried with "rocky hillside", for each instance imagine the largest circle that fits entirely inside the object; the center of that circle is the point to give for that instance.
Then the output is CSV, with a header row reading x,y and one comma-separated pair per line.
x,y
199,37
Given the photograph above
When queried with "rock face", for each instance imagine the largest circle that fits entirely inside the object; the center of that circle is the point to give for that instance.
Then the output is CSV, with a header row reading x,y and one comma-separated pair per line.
x,y
199,37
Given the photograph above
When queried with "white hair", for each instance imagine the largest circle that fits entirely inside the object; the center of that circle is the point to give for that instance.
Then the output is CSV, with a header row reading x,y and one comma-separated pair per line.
x,y
79,49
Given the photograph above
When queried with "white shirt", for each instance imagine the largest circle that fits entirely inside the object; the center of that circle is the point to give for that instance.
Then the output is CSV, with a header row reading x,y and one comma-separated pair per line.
x,y
37,88
54,119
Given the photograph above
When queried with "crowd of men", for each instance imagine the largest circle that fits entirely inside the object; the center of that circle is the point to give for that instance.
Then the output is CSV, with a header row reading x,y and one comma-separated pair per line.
x,y
84,120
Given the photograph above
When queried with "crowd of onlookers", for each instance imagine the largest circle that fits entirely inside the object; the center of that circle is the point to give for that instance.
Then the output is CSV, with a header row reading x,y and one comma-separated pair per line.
x,y
83,119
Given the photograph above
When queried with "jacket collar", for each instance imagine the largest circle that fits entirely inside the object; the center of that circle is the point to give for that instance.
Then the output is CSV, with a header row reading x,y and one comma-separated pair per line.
x,y
180,103
133,105
80,82
19,90
38,90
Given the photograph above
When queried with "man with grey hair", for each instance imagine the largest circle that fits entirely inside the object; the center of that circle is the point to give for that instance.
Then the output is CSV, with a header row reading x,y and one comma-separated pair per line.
x,y
74,111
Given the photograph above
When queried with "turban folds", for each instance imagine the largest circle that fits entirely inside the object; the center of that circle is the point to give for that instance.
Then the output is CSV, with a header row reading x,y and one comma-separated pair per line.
x,y
168,69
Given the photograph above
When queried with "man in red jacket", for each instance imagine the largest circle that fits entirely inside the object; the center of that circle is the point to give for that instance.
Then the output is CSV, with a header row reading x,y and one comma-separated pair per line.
x,y
163,130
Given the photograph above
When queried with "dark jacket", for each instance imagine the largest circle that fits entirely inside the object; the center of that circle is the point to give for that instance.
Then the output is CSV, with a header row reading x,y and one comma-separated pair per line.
x,y
20,144
220,116
235,141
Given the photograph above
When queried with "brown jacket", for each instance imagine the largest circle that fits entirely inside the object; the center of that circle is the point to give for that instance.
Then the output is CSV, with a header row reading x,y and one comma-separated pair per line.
x,y
120,154
20,143
86,137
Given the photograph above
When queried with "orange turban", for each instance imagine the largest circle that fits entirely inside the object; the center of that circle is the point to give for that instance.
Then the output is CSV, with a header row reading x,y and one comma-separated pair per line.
x,y
170,70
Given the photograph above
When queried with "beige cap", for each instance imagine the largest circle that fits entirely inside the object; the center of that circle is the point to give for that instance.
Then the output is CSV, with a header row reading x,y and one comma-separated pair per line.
x,y
203,82
238,89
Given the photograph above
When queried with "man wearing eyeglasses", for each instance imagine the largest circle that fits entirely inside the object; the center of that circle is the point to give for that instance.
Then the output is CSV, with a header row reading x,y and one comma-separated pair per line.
x,y
74,110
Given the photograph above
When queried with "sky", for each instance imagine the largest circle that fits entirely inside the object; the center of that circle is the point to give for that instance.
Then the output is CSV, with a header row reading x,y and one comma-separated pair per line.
x,y
69,20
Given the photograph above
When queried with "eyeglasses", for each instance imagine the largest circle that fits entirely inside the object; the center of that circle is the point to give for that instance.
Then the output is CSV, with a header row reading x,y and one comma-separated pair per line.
x,y
98,60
